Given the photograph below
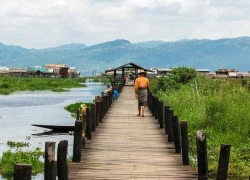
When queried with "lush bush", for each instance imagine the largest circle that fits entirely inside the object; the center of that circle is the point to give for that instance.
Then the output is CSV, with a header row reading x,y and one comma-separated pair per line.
x,y
10,158
222,109
173,80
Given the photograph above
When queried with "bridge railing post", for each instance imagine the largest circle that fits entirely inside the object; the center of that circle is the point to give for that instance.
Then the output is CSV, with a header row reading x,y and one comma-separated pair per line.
x,y
49,161
88,123
166,108
160,116
202,155
149,100
22,171
77,146
98,107
93,117
62,166
153,105
223,162
176,133
169,117
107,102
101,109
110,98
157,109
184,142
78,114
104,105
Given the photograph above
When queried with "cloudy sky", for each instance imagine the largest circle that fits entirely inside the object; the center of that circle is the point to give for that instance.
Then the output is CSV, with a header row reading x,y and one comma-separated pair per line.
x,y
46,23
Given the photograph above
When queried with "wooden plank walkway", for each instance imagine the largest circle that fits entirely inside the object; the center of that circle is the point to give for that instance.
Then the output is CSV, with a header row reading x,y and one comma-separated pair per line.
x,y
129,147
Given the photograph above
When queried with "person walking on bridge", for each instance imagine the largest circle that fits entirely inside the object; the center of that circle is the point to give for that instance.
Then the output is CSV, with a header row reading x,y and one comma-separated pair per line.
x,y
141,92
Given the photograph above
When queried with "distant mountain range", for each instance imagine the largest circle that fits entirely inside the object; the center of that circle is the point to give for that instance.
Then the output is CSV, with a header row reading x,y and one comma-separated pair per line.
x,y
209,54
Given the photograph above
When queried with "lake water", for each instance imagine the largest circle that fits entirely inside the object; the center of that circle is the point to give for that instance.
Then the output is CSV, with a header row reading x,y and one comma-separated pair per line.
x,y
19,110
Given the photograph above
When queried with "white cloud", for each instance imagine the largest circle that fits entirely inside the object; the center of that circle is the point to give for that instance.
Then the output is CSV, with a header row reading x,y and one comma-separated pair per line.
x,y
49,23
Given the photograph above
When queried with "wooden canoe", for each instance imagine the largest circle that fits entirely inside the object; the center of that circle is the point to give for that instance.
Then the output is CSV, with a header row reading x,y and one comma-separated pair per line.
x,y
56,127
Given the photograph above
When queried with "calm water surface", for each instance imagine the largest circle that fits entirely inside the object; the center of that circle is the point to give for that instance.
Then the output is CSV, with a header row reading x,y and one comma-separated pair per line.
x,y
19,110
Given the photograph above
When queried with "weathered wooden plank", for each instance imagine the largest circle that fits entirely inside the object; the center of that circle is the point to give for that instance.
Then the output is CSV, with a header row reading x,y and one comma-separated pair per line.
x,y
125,146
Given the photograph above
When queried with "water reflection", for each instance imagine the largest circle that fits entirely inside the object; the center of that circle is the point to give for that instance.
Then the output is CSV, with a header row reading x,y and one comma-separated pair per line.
x,y
19,110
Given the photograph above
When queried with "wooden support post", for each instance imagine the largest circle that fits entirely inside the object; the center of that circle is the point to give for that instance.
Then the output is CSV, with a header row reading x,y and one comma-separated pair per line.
x,y
77,146
98,105
149,100
202,155
157,108
169,116
166,108
111,98
49,164
184,142
153,106
62,166
160,116
88,123
107,96
22,171
114,75
101,109
176,133
78,114
93,117
223,162
107,102
104,105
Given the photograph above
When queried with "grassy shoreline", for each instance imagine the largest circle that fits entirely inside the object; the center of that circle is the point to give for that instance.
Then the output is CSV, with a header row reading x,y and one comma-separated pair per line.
x,y
10,85
220,107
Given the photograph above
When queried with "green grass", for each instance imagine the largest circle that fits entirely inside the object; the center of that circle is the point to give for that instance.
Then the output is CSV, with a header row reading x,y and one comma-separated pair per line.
x,y
10,158
9,85
72,108
222,109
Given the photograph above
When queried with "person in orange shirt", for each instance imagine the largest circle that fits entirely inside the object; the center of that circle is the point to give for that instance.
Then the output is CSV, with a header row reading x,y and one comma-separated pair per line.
x,y
141,92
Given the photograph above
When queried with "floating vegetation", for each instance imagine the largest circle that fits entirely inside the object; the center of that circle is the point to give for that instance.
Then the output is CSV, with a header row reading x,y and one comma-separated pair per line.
x,y
10,158
14,144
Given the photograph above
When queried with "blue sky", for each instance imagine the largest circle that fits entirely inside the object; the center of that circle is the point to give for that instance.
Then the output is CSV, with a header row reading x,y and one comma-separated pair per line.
x,y
46,23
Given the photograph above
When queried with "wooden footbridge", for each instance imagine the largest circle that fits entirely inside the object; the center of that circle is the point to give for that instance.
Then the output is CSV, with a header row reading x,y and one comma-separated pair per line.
x,y
125,146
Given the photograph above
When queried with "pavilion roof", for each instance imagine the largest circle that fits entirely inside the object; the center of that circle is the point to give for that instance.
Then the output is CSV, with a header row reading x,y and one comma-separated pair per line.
x,y
128,65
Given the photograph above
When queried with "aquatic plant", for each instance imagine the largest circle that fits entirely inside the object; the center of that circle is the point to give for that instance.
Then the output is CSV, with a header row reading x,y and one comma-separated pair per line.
x,y
9,85
10,158
14,144
73,108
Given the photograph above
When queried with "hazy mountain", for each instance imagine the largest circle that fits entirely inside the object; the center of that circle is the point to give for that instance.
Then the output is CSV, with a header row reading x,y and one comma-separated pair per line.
x,y
150,44
211,54
69,47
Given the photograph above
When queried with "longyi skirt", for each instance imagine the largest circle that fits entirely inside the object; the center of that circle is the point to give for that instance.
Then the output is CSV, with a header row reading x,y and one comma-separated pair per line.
x,y
142,97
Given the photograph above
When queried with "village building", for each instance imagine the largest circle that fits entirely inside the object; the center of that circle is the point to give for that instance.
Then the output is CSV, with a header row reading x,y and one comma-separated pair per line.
x,y
4,71
228,72
63,70
203,71
243,75
39,71
163,71
18,72
49,70
73,72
